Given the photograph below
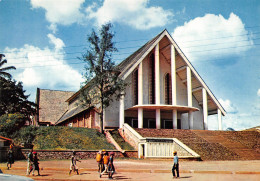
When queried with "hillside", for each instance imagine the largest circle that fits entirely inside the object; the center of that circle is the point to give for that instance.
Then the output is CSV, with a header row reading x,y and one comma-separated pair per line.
x,y
61,138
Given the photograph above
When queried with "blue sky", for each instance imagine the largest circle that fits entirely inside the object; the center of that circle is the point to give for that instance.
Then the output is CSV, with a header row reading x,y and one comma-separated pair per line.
x,y
43,38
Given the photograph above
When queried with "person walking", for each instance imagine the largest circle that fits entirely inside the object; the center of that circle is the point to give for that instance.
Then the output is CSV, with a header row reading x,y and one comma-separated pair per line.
x,y
105,161
111,168
35,163
99,159
30,162
175,165
10,158
73,163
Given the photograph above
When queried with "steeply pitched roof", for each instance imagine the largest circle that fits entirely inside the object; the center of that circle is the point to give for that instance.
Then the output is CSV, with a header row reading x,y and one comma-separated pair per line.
x,y
70,113
131,62
52,104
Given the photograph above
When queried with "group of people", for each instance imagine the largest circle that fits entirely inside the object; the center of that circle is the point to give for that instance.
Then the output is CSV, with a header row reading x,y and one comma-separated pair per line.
x,y
104,160
105,163
33,163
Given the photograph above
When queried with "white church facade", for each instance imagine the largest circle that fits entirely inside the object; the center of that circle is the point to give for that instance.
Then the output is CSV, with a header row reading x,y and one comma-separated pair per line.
x,y
164,92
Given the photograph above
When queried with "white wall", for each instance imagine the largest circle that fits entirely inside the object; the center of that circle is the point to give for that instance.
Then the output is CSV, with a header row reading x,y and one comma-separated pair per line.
x,y
112,112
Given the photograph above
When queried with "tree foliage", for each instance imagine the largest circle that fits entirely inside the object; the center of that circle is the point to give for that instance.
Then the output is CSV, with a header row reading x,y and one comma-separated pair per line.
x,y
10,124
102,83
14,100
3,73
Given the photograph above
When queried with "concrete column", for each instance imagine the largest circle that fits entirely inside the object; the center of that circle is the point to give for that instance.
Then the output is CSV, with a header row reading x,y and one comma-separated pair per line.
x,y
158,118
140,95
157,75
174,119
190,118
140,117
219,120
189,87
140,84
122,111
205,108
173,75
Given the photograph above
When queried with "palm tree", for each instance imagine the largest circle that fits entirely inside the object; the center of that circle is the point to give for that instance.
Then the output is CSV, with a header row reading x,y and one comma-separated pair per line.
x,y
3,73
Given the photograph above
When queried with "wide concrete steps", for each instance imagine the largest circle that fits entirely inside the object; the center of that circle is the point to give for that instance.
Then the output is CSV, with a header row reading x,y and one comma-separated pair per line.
x,y
237,142
214,145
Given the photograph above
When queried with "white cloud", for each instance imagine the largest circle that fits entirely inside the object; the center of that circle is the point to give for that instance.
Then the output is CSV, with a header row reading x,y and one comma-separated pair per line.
x,y
58,43
258,93
228,106
213,36
60,12
235,119
44,68
134,13
53,27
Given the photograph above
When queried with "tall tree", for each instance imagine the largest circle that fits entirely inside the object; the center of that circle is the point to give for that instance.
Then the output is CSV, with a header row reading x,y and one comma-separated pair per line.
x,y
3,73
14,100
102,83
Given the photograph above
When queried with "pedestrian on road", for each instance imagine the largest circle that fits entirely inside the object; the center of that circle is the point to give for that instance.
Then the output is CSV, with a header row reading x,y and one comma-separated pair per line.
x,y
99,159
35,163
73,163
106,161
30,162
111,168
175,165
10,158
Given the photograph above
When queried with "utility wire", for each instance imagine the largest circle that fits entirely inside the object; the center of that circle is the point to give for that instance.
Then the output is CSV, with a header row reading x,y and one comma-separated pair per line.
x,y
147,39
71,53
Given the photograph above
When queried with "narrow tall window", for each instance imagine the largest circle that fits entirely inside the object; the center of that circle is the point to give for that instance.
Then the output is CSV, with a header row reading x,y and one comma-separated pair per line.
x,y
135,87
151,79
168,89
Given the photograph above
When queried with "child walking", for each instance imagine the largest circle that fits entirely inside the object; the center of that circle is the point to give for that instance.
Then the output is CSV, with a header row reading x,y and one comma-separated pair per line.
x,y
105,161
35,163
175,165
99,159
10,159
111,168
73,163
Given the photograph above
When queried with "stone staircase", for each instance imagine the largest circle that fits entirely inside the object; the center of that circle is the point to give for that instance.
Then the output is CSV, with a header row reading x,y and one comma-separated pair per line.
x,y
240,143
214,145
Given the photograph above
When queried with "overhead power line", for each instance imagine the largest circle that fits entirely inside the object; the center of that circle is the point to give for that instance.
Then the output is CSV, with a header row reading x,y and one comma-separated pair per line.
x,y
223,37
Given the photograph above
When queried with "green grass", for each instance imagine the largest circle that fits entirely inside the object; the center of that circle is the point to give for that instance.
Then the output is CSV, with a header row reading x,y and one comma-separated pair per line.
x,y
62,138
117,137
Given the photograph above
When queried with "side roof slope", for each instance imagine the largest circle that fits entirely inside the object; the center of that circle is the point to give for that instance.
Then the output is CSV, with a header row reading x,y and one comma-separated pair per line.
x,y
51,104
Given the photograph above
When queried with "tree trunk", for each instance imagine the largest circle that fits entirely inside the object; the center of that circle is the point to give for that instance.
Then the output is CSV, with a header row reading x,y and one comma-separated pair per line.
x,y
101,117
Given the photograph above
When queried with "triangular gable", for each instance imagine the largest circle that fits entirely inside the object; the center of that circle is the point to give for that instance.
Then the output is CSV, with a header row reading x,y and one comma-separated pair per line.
x,y
130,64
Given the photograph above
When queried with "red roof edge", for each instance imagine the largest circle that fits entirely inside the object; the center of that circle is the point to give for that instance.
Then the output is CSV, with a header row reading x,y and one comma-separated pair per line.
x,y
6,138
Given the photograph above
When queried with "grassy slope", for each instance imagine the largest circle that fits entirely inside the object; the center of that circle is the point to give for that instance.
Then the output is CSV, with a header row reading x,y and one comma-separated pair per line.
x,y
60,138
124,145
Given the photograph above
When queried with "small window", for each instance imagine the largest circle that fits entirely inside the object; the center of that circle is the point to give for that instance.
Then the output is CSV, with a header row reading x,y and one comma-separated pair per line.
x,y
152,79
135,87
168,89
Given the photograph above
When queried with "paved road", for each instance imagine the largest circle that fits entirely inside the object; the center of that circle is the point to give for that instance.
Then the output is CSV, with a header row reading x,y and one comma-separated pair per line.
x,y
152,170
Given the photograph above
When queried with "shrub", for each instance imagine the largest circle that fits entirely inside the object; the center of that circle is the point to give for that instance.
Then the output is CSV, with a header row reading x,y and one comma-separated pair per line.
x,y
10,124
26,135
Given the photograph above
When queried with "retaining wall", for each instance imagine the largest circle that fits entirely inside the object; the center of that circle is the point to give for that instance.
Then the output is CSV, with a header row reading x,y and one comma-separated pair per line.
x,y
81,154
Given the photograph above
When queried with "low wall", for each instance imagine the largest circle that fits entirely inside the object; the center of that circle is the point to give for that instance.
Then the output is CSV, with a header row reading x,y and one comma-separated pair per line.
x,y
18,155
81,154
128,134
